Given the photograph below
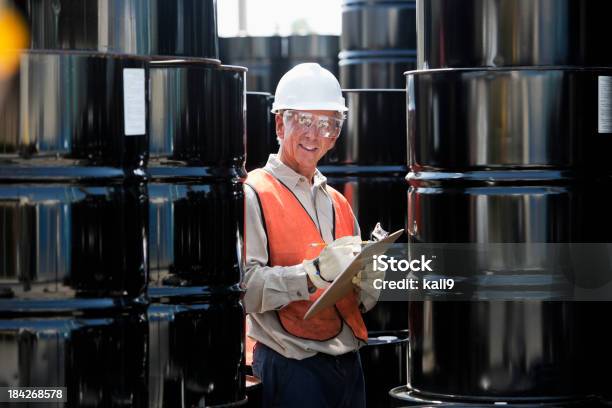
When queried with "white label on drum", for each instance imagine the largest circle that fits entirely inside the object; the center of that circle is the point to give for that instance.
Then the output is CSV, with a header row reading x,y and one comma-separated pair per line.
x,y
134,101
604,107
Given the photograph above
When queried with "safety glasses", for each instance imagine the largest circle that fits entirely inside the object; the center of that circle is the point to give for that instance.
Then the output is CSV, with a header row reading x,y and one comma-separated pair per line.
x,y
325,126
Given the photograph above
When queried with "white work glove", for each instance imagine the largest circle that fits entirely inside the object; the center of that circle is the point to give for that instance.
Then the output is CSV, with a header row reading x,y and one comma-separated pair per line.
x,y
334,259
364,283
366,277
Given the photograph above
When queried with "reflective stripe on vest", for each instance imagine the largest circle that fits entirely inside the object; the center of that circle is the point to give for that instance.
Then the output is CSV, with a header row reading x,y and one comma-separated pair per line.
x,y
291,234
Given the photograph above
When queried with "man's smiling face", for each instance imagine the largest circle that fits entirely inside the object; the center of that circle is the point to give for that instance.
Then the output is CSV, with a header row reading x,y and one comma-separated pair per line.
x,y
301,148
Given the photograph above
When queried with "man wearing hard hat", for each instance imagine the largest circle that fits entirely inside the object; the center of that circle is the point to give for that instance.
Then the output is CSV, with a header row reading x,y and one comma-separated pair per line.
x,y
300,234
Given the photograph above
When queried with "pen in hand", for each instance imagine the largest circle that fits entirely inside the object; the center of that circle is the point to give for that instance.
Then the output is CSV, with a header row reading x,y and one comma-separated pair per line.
x,y
316,244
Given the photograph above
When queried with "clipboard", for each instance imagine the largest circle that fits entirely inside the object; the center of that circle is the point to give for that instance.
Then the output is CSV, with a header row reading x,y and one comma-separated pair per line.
x,y
344,282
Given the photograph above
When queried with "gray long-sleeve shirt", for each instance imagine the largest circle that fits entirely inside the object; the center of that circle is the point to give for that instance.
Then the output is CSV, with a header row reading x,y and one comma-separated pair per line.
x,y
268,289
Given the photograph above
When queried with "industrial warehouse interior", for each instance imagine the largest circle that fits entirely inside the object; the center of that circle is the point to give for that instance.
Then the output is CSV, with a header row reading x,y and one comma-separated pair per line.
x,y
288,203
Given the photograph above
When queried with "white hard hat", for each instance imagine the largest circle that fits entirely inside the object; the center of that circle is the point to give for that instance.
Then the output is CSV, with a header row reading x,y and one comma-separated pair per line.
x,y
308,87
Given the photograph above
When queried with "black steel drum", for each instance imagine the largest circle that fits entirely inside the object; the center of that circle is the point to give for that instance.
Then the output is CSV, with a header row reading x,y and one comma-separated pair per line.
x,y
197,118
507,118
263,56
251,48
261,129
387,317
196,352
186,28
268,58
322,49
378,43
101,360
385,26
376,73
75,116
72,247
497,33
373,134
195,234
384,361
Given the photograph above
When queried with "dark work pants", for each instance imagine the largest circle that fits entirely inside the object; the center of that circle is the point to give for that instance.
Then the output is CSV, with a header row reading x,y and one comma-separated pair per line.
x,y
320,381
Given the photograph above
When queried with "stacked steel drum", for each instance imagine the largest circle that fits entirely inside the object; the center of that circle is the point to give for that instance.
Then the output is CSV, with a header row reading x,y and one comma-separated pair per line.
x,y
74,207
268,58
261,129
263,56
507,138
83,215
196,223
367,166
378,43
74,204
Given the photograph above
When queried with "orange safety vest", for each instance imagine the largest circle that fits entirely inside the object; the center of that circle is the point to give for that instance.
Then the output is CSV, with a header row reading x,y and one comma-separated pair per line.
x,y
291,233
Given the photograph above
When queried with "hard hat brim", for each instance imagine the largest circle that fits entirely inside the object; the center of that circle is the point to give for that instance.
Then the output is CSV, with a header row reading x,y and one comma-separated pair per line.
x,y
329,106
